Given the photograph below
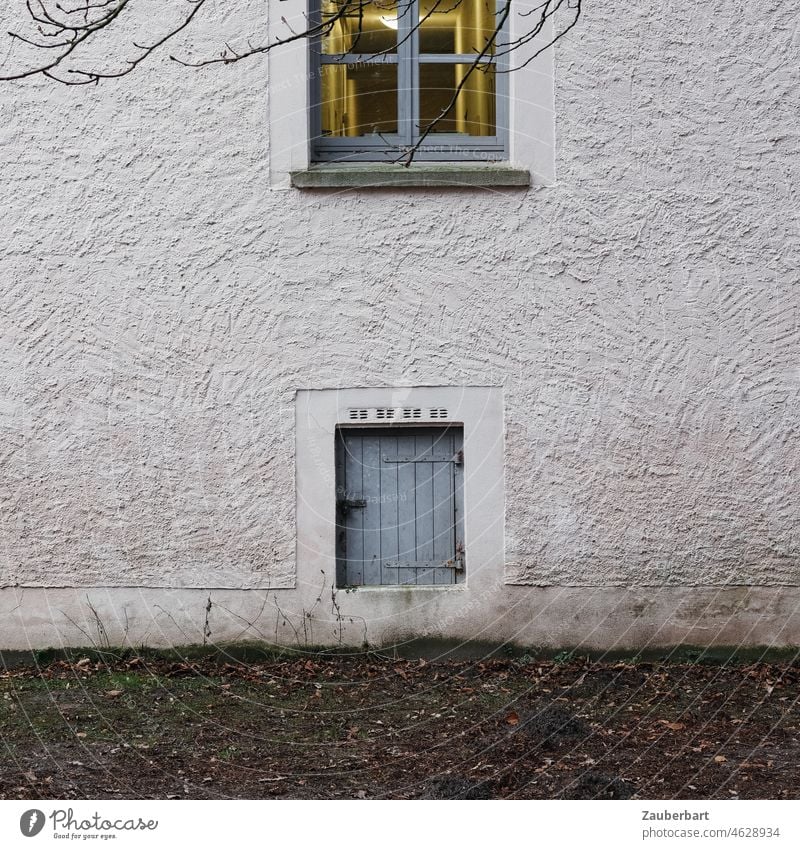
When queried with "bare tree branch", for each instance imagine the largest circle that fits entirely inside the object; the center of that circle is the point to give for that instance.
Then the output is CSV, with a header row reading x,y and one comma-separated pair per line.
x,y
74,33
65,29
76,27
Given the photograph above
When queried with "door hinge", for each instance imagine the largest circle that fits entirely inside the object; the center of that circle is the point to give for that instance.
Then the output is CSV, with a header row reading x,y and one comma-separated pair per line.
x,y
459,561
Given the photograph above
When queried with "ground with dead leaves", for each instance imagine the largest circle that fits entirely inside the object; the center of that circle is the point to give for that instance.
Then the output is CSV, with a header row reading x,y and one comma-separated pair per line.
x,y
373,727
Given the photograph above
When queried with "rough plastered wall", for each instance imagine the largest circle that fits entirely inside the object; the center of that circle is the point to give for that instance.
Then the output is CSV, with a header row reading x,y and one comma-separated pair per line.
x,y
160,304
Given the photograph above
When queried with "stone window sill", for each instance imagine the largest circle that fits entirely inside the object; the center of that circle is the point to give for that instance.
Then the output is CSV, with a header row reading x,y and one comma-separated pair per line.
x,y
420,175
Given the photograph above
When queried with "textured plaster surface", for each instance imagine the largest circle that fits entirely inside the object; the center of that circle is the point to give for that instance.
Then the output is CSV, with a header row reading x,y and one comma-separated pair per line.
x,y
160,305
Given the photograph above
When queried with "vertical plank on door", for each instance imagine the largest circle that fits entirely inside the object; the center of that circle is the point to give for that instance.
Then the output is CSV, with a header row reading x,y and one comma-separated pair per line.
x,y
458,502
354,519
341,532
424,496
371,491
443,512
390,549
406,509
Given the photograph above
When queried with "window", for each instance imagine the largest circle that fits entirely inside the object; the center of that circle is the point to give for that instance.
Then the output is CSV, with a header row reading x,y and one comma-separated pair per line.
x,y
380,82
399,505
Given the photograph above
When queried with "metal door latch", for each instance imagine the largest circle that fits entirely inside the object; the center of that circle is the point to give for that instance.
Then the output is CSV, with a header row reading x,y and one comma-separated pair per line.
x,y
345,505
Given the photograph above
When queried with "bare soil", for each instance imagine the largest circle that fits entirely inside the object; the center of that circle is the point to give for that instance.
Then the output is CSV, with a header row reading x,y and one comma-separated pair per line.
x,y
374,727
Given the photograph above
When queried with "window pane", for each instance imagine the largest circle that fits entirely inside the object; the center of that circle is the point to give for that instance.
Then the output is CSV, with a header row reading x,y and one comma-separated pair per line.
x,y
474,111
359,26
359,100
456,26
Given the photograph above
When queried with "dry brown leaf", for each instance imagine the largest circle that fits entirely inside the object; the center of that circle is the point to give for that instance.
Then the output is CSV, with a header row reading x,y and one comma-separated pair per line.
x,y
720,759
512,718
673,726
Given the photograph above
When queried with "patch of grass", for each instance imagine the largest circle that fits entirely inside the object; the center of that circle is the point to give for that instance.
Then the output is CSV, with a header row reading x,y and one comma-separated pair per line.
x,y
228,752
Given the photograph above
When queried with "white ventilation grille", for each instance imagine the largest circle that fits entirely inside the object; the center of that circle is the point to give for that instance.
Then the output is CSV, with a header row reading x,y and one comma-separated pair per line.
x,y
390,414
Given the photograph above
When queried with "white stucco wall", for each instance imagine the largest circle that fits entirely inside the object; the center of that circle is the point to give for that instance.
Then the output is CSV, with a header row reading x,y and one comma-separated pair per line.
x,y
163,298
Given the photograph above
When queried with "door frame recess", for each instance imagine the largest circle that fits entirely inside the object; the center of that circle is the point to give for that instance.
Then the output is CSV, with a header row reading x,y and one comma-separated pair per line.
x,y
319,413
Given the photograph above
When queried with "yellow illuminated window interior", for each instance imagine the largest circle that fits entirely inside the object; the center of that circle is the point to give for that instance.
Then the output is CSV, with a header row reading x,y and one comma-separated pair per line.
x,y
384,77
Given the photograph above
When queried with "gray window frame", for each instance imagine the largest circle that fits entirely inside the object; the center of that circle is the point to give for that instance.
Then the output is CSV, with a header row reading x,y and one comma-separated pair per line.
x,y
438,147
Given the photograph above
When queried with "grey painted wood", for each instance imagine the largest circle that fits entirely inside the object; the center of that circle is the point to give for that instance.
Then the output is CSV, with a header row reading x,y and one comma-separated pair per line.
x,y
398,493
458,507
389,510
425,506
341,533
371,490
354,519
443,516
407,508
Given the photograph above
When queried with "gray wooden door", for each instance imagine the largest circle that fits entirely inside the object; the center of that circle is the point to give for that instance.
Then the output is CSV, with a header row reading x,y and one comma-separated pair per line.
x,y
399,517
